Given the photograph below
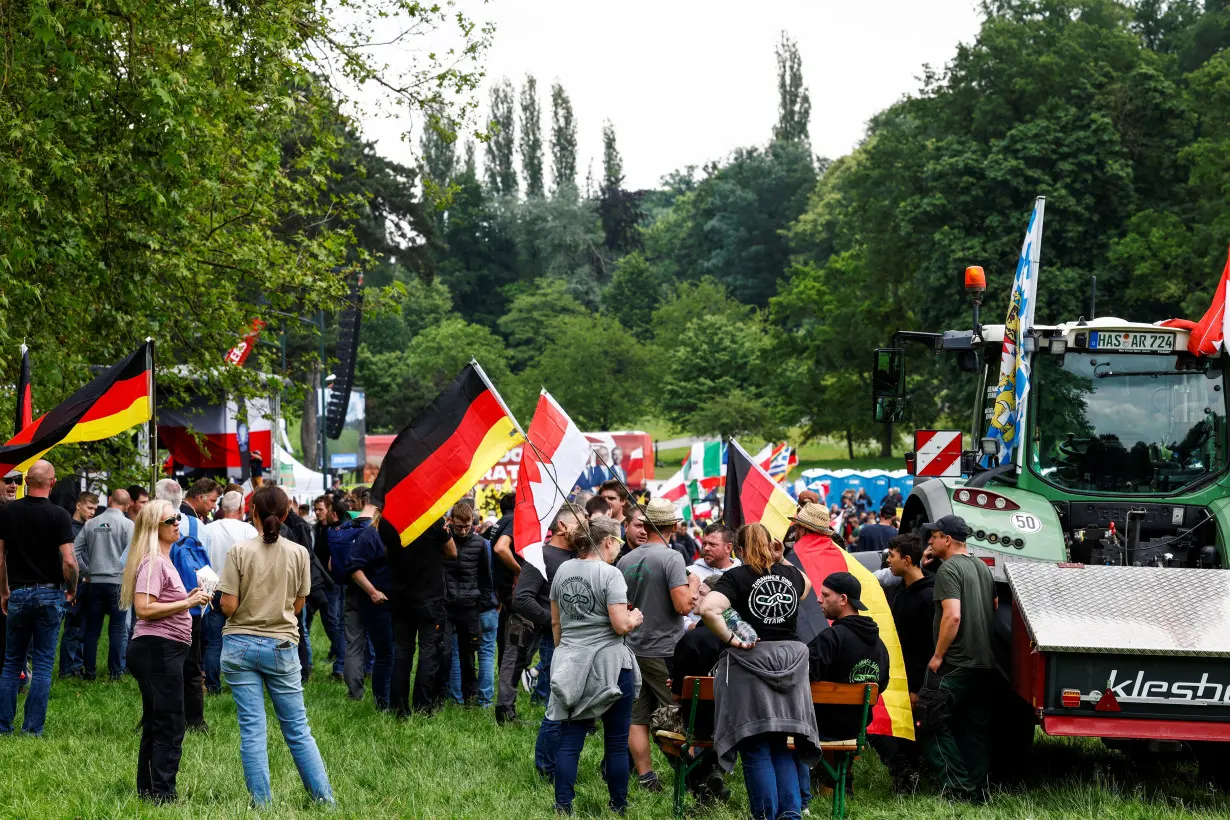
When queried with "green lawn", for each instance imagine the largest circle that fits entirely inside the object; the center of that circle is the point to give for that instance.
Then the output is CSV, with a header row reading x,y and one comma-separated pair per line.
x,y
459,764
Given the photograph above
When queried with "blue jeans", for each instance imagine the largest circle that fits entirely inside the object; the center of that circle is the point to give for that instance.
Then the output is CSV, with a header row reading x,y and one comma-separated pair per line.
x,y
615,723
211,658
305,645
771,773
73,631
103,601
251,662
542,689
486,657
33,625
332,617
378,621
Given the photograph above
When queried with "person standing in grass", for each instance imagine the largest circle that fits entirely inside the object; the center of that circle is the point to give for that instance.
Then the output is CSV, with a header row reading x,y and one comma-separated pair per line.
x,y
595,674
160,641
264,583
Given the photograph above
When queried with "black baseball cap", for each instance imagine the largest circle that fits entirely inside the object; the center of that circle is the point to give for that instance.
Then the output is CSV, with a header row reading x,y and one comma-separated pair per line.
x,y
953,526
843,583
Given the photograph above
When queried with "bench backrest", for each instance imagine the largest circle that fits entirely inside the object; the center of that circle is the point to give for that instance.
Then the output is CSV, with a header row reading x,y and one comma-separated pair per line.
x,y
825,692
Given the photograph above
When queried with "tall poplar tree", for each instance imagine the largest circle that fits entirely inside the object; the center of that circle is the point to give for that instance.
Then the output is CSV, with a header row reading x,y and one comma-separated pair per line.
x,y
500,171
531,138
794,103
563,144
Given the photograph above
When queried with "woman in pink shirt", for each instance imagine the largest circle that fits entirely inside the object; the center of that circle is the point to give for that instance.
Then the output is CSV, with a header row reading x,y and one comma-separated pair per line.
x,y
159,644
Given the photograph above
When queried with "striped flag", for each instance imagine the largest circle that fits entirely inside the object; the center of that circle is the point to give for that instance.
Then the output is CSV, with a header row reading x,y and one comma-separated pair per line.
x,y
753,497
443,453
119,398
820,557
675,488
705,467
24,418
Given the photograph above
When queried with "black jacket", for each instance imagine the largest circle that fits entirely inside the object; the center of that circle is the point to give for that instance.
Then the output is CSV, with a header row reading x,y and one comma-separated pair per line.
x,y
850,651
467,578
532,596
913,611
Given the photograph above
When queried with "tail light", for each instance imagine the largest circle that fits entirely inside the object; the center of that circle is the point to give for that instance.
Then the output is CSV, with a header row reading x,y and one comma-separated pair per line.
x,y
1071,698
985,499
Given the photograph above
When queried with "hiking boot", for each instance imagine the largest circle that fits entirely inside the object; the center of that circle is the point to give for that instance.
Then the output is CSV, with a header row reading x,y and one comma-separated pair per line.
x,y
649,782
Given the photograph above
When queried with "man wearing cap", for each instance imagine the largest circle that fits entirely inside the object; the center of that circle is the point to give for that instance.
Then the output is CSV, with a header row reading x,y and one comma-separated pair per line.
x,y
11,482
658,587
850,651
963,672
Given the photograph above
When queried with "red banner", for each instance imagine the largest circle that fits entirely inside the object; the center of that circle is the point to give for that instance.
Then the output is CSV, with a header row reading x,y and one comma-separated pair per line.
x,y
238,354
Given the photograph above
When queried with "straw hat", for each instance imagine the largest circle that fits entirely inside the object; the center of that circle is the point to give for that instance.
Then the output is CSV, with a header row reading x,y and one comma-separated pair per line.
x,y
661,512
815,518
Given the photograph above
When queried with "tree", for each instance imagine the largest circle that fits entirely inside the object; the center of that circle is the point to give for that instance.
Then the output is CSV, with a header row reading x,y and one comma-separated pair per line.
x,y
438,147
563,145
174,165
598,372
617,208
636,290
531,138
501,141
691,301
793,101
533,319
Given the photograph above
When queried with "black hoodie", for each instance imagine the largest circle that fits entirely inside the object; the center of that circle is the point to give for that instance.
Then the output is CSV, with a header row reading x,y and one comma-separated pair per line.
x,y
913,611
850,651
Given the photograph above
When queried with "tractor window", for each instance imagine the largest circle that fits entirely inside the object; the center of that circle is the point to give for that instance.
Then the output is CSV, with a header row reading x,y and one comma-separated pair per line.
x,y
1125,423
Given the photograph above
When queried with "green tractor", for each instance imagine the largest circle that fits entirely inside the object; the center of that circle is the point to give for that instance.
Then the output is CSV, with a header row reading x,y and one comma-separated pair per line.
x,y
1106,528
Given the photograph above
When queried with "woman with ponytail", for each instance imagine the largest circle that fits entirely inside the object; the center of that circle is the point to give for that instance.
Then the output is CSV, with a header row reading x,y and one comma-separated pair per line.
x,y
264,583
159,644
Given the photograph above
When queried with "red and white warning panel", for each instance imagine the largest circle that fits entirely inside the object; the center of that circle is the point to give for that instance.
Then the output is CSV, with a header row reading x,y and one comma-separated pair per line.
x,y
937,452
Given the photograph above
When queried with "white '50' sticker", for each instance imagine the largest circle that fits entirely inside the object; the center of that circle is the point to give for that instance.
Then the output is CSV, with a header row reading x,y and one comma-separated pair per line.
x,y
1026,522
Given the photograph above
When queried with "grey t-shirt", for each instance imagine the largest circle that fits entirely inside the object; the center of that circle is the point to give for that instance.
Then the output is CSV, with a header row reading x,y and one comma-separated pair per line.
x,y
652,571
967,579
583,590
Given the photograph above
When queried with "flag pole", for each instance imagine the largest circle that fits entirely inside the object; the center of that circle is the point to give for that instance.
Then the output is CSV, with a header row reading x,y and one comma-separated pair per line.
x,y
153,418
541,458
483,375
631,497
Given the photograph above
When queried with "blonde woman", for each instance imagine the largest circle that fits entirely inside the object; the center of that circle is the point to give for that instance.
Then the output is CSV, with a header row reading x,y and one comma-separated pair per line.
x,y
160,642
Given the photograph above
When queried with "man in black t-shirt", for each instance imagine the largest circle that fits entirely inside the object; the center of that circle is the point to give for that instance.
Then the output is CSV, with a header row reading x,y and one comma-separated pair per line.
x,y
38,578
417,602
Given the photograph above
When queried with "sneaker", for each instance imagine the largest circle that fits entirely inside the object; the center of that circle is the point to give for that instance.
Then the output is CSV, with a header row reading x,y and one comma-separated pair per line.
x,y
715,784
649,782
529,679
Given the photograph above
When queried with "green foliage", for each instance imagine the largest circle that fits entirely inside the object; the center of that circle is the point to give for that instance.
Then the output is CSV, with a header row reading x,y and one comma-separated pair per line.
x,y
597,371
500,167
533,319
563,145
635,292
793,101
617,208
691,301
531,138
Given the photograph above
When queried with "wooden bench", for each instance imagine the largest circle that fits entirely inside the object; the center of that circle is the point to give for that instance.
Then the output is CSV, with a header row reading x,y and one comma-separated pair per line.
x,y
838,755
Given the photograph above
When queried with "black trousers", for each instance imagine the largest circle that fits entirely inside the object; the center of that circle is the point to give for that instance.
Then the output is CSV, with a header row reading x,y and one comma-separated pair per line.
x,y
467,626
521,641
427,625
158,666
500,641
194,679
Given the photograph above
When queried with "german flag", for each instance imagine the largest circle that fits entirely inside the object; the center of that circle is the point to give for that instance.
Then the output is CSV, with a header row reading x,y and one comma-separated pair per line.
x,y
119,398
443,453
24,418
753,497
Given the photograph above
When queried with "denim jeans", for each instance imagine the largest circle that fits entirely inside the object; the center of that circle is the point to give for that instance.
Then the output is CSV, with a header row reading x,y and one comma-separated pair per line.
x,y
211,659
378,622
250,663
542,689
771,773
615,723
546,747
73,631
305,645
332,617
32,628
486,657
103,601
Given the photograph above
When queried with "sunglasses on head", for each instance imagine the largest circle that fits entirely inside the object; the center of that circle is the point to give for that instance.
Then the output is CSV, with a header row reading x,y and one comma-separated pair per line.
x,y
15,479
172,520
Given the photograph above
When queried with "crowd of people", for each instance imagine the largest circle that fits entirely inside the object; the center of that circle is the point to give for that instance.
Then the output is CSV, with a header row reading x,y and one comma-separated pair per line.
x,y
204,592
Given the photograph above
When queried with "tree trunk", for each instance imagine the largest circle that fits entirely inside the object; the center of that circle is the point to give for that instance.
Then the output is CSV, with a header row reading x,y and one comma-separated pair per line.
x,y
309,430
886,442
850,443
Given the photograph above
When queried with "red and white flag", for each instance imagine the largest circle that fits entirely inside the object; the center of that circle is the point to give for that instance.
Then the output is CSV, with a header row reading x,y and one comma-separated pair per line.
x,y
553,458
1209,334
675,488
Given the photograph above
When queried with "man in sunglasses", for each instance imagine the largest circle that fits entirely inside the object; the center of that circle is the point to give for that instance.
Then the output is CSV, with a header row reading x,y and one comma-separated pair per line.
x,y
38,578
11,482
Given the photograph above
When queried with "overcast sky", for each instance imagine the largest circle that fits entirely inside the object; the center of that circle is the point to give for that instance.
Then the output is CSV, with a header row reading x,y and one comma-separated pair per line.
x,y
687,81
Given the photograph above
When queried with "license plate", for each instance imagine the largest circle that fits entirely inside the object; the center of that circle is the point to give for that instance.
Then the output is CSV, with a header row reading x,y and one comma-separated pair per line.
x,y
1131,341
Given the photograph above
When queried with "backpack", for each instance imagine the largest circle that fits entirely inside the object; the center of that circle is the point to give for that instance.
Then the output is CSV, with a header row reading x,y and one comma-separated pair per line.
x,y
188,555
341,539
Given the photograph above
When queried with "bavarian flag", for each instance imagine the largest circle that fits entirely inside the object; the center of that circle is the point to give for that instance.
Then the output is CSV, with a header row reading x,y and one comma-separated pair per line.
x,y
443,453
819,556
753,497
119,398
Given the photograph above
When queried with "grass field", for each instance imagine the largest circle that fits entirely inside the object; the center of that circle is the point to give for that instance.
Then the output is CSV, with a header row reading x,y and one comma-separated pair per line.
x,y
459,764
